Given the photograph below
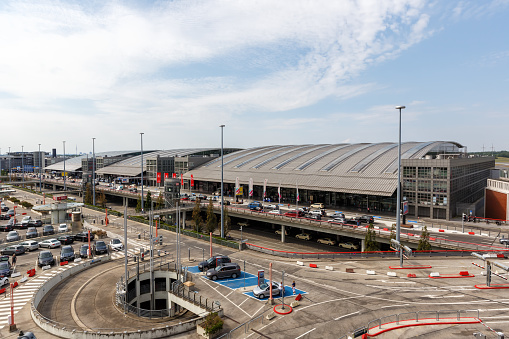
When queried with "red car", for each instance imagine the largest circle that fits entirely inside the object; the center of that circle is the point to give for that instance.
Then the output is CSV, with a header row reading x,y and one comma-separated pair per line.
x,y
294,214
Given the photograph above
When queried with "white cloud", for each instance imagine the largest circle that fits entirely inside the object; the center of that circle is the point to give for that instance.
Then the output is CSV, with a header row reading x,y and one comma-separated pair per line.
x,y
188,63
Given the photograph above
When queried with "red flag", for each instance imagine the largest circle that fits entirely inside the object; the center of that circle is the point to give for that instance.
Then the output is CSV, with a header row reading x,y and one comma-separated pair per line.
x,y
181,180
192,181
158,177
174,175
166,175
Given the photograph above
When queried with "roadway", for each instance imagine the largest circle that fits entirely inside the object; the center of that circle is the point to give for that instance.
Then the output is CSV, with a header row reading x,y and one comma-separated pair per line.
x,y
336,301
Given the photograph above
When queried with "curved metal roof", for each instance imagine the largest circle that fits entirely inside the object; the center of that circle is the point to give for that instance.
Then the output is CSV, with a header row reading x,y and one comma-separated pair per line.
x,y
351,168
74,164
132,166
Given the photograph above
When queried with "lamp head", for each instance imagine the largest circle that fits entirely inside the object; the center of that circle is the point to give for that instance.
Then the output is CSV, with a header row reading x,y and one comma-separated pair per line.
x,y
400,107
221,125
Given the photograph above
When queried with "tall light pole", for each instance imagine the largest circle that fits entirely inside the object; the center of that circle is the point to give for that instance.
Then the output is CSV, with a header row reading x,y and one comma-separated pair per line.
x,y
9,164
22,167
142,206
398,198
40,168
222,195
93,171
65,188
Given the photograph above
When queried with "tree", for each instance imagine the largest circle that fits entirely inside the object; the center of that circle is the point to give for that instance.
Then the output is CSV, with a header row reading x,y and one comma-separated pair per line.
x,y
138,205
100,199
227,222
424,244
88,194
393,232
211,218
370,239
159,202
197,216
148,201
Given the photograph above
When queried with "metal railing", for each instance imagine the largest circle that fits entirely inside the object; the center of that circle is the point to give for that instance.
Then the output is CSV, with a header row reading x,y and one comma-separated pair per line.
x,y
417,316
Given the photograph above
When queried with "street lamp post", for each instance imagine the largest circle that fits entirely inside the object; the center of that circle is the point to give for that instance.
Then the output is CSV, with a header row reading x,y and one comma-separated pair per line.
x,y
398,199
222,195
65,187
40,168
9,164
93,171
142,206
22,167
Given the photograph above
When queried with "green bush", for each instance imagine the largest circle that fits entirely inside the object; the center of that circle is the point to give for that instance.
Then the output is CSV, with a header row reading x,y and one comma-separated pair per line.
x,y
212,324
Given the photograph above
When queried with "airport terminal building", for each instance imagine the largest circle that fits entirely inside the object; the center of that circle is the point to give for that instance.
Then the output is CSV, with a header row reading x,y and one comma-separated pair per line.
x,y
439,179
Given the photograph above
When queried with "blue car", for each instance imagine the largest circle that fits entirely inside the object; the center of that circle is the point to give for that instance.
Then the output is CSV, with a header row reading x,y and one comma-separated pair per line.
x,y
5,269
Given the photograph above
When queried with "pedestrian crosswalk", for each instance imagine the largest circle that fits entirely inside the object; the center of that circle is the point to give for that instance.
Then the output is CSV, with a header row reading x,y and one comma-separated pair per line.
x,y
25,291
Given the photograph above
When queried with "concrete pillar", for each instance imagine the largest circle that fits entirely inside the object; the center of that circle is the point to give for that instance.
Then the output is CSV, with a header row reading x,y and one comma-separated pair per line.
x,y
363,245
184,220
282,233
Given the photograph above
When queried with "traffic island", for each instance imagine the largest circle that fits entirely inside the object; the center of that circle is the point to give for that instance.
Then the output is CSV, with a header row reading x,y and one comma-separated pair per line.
x,y
283,309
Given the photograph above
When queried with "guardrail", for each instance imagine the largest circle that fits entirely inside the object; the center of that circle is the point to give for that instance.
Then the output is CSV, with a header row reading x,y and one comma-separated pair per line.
x,y
370,254
395,319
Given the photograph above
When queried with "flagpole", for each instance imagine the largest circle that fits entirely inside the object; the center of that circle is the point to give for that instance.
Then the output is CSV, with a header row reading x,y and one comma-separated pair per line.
x,y
297,198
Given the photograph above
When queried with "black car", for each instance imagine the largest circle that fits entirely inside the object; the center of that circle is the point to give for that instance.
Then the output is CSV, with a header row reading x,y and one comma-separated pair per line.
x,y
5,269
83,236
45,258
32,233
212,262
84,251
6,228
10,213
351,222
67,253
5,209
15,249
100,247
4,217
48,230
366,219
66,239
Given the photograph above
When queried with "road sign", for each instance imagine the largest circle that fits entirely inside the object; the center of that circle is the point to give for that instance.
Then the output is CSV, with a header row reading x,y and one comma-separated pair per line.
x,y
405,207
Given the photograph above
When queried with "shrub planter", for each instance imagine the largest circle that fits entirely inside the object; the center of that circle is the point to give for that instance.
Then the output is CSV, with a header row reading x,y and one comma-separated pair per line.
x,y
210,327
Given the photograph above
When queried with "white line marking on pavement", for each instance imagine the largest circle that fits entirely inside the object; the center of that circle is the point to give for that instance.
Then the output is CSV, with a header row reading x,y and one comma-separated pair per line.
x,y
347,315
305,333
395,306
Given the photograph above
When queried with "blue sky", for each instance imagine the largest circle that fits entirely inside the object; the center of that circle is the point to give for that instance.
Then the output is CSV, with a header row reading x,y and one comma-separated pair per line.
x,y
274,72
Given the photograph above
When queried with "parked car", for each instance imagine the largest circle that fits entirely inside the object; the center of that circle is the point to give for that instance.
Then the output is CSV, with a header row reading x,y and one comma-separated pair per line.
x,y
26,218
212,262
294,214
26,335
116,244
337,215
15,249
84,251
4,217
83,236
317,205
10,213
5,208
255,206
50,243
30,245
349,245
327,241
5,269
303,236
225,270
272,206
504,241
48,230
278,212
337,219
3,280
278,232
263,290
67,253
100,247
32,233
317,212
36,223
351,222
315,216
66,239
366,219
6,228
62,228
12,236
45,258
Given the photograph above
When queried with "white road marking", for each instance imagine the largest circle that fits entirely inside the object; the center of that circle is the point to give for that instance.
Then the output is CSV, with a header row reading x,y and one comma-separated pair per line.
x,y
347,315
305,333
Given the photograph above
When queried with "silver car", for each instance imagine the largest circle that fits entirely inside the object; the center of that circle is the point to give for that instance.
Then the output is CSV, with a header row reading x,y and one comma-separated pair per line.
x,y
30,245
263,291
12,236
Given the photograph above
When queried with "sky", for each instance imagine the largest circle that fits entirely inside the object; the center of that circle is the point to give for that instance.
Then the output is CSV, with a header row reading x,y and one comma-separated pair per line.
x,y
273,72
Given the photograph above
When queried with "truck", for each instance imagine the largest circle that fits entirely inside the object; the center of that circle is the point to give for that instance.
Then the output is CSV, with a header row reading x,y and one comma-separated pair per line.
x,y
255,206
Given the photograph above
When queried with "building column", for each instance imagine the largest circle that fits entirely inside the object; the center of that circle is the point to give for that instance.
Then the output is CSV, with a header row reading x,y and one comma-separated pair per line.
x,y
282,233
363,245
